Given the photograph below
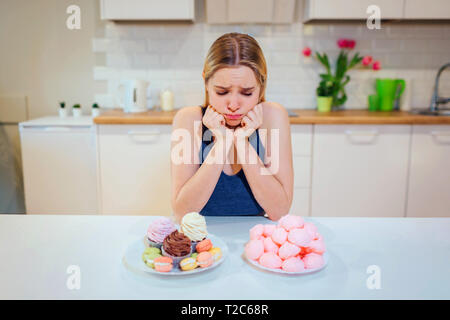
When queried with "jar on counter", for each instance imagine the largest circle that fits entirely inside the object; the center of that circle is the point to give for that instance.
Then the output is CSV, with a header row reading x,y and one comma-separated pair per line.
x,y
166,100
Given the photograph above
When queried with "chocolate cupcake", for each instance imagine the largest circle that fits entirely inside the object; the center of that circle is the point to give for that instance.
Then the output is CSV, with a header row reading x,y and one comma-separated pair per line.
x,y
176,246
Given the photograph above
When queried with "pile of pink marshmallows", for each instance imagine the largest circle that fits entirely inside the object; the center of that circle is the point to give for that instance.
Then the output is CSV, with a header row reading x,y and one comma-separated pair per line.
x,y
293,245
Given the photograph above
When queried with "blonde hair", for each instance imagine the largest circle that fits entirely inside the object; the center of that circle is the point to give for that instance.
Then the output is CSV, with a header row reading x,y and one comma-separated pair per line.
x,y
233,50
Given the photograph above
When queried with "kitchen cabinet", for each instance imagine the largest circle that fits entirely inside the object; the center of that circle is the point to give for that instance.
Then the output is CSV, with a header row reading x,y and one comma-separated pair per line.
x,y
350,9
147,10
250,11
429,174
432,9
301,136
360,170
59,165
134,164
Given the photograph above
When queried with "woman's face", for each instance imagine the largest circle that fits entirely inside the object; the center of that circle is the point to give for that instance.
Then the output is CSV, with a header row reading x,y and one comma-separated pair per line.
x,y
233,92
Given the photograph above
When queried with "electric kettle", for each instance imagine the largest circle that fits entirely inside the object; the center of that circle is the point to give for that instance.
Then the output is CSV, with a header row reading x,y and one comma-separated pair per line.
x,y
132,95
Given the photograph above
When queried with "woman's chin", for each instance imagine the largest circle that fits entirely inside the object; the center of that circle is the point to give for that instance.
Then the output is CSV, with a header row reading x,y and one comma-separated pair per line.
x,y
233,123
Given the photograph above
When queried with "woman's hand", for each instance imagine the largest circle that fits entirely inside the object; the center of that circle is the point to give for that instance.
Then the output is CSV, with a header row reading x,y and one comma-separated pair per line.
x,y
252,121
215,122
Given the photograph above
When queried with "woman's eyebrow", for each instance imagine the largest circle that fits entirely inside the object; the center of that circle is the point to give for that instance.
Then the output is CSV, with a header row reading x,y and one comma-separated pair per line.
x,y
227,88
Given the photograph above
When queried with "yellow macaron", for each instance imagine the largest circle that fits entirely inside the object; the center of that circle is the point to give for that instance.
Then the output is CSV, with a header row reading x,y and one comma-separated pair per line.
x,y
216,252
188,263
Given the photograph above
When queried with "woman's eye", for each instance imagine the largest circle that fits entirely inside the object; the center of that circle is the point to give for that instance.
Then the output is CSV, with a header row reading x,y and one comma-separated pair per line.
x,y
247,94
221,93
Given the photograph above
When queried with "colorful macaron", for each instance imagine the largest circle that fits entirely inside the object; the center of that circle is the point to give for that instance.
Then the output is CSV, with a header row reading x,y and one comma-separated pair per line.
x,y
188,264
163,264
216,252
205,259
204,245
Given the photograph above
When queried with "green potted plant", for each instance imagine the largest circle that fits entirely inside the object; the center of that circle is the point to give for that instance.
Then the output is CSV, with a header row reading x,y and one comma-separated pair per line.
x,y
325,95
343,63
95,110
76,110
62,109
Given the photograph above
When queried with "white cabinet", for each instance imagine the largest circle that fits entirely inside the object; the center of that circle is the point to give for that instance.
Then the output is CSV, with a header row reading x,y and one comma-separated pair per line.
x,y
249,11
431,9
360,170
59,165
147,10
350,9
134,163
301,136
429,177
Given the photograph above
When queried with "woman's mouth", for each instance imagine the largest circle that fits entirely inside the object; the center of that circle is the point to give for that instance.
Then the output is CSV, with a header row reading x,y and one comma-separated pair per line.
x,y
233,116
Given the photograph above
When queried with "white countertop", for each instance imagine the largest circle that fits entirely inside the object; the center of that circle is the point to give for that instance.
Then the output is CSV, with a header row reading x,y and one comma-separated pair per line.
x,y
59,121
413,255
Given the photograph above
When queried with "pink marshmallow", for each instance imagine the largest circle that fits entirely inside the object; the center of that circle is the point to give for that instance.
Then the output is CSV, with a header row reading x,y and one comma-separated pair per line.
x,y
317,246
313,261
254,249
290,222
293,264
256,232
269,229
299,237
270,246
311,229
279,236
270,260
288,250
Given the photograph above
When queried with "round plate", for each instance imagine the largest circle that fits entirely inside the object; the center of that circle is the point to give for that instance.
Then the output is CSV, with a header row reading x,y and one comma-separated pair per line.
x,y
132,258
307,271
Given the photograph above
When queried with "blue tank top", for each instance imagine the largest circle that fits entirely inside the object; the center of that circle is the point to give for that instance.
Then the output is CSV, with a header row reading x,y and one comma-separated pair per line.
x,y
232,195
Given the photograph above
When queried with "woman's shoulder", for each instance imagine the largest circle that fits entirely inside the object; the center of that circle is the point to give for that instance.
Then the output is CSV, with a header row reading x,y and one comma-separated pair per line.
x,y
186,116
274,112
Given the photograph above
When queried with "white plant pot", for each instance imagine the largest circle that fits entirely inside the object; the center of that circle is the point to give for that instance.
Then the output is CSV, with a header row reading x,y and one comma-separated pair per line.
x,y
95,112
76,112
62,112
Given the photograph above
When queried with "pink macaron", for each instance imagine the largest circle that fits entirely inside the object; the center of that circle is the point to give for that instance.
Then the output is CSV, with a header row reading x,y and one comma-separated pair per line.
x,y
256,232
313,261
288,250
293,264
270,260
299,237
254,249
279,236
270,246
269,229
290,222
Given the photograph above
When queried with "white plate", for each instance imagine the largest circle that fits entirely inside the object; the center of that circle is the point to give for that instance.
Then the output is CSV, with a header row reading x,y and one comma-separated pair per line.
x,y
307,271
132,258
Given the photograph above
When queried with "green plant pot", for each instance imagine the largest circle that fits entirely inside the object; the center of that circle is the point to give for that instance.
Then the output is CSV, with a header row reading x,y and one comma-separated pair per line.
x,y
324,104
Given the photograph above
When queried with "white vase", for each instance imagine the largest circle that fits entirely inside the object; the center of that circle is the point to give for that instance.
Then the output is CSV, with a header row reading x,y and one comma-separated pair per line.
x,y
95,112
62,112
76,112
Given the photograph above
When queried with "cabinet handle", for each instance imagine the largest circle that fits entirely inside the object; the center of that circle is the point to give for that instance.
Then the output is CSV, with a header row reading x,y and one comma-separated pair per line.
x,y
144,136
441,136
362,137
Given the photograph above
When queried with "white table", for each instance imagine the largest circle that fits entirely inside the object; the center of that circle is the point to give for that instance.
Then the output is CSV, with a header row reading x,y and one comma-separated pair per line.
x,y
413,255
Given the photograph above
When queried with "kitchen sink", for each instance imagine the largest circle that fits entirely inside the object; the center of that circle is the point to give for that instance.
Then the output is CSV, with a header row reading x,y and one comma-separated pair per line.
x,y
428,112
292,113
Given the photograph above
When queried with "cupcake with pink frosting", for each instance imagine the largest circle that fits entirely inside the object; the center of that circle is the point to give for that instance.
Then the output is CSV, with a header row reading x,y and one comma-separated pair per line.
x,y
158,230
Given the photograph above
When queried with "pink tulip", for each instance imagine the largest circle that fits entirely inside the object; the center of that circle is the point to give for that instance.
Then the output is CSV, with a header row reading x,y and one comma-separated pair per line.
x,y
367,60
342,43
306,51
351,44
376,65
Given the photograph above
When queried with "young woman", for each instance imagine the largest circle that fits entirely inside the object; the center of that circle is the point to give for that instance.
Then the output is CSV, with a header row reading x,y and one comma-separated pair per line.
x,y
234,125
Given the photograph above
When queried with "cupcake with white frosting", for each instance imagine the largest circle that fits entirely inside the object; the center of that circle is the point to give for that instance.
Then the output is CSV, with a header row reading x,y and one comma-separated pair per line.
x,y
193,225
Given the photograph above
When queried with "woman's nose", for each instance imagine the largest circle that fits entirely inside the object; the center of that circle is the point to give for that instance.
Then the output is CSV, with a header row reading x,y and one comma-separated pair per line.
x,y
233,104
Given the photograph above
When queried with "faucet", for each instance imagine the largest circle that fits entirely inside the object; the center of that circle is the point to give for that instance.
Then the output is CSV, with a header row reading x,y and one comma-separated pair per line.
x,y
436,100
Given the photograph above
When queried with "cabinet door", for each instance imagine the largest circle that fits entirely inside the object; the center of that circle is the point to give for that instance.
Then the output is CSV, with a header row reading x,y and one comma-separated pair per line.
x,y
351,9
134,165
432,9
429,177
360,170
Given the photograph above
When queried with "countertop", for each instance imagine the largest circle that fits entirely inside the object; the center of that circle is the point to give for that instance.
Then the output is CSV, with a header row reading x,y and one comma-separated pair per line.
x,y
412,254
117,116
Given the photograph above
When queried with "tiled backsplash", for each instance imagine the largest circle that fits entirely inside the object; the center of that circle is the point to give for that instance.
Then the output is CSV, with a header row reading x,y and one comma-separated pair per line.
x,y
172,55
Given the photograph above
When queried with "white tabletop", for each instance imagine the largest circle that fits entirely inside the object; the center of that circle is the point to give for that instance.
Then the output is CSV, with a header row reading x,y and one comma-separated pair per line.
x,y
412,255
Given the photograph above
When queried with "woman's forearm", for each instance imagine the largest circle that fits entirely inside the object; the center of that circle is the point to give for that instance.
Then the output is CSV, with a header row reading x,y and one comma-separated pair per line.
x,y
271,195
195,193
